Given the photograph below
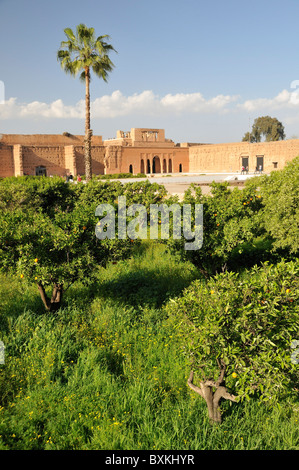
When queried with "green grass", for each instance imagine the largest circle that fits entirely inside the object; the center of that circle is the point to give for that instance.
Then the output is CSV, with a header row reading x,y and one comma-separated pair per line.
x,y
108,371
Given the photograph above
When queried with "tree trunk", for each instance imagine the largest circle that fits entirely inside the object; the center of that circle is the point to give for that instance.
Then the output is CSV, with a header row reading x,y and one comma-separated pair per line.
x,y
212,398
53,304
88,131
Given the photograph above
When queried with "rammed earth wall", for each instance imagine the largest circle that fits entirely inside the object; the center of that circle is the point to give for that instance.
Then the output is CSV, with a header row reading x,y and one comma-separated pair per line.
x,y
138,151
229,157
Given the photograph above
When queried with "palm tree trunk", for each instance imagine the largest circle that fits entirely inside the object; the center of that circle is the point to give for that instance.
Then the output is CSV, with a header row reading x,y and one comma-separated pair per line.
x,y
88,132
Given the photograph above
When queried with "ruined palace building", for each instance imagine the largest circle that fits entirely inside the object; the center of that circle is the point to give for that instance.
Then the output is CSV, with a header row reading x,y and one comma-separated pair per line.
x,y
137,151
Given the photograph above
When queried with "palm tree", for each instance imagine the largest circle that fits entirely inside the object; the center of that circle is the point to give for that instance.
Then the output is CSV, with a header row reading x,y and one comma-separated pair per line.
x,y
82,52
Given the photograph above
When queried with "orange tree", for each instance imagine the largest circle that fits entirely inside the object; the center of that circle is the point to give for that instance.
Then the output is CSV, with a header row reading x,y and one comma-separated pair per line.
x,y
51,251
238,332
48,231
281,206
233,232
244,227
55,251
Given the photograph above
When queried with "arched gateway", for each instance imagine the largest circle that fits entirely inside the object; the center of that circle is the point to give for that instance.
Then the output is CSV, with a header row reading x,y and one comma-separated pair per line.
x,y
156,165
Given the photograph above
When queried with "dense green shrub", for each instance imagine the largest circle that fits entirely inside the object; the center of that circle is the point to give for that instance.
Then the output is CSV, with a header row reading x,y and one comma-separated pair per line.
x,y
243,325
104,373
42,193
231,222
109,369
280,193
48,230
121,175
245,227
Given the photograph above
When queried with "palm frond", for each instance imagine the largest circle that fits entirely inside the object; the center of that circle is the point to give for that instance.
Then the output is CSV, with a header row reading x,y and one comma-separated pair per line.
x,y
82,76
62,54
85,35
81,53
70,34
83,49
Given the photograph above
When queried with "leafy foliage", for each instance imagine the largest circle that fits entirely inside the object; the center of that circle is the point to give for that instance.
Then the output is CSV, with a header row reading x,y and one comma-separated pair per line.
x,y
127,336
248,322
48,228
269,128
281,206
82,53
83,49
120,175
48,194
100,374
245,227
231,226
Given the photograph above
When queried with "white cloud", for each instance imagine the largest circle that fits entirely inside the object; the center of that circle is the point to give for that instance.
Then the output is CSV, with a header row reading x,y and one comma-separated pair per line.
x,y
148,103
195,102
284,100
57,109
2,92
183,101
117,104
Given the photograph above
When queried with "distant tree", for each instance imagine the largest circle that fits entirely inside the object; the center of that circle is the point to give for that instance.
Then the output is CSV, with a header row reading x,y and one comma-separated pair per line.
x,y
251,137
265,126
82,52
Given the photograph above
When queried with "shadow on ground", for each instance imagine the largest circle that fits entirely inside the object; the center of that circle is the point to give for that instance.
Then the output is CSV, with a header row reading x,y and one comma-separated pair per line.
x,y
145,287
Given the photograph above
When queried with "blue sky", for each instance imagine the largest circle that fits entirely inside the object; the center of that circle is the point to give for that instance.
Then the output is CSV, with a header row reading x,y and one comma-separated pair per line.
x,y
203,71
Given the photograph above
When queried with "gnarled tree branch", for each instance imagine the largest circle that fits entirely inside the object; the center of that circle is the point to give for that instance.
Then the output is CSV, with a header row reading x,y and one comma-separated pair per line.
x,y
212,398
54,303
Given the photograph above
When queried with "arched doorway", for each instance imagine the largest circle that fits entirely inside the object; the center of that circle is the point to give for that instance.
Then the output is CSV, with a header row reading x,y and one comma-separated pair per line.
x,y
142,166
170,166
131,169
156,165
148,166
164,166
180,168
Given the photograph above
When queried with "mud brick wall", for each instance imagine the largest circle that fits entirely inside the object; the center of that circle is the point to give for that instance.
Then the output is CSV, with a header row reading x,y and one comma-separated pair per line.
x,y
48,139
228,157
70,160
60,154
50,157
97,157
18,160
6,161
